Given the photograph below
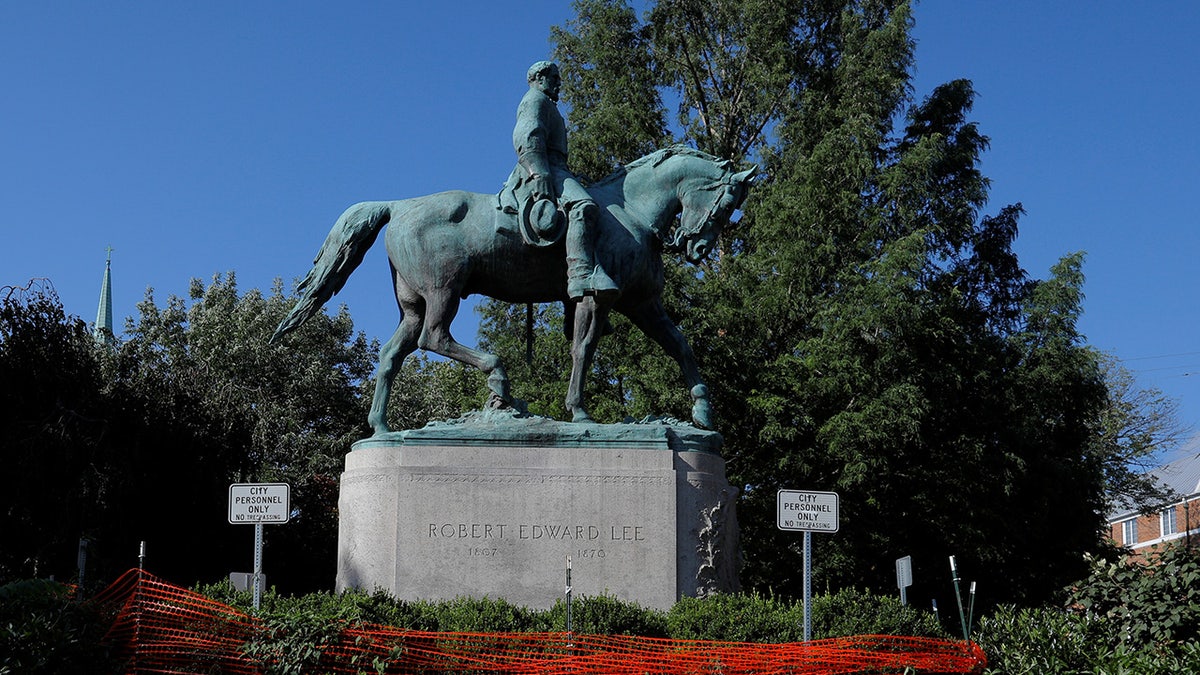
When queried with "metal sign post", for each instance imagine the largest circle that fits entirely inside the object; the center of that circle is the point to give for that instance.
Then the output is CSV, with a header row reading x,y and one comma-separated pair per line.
x,y
807,512
256,504
258,547
807,585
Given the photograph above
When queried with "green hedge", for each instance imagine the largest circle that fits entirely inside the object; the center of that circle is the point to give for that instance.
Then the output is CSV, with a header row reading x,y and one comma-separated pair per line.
x,y
44,630
1123,618
733,617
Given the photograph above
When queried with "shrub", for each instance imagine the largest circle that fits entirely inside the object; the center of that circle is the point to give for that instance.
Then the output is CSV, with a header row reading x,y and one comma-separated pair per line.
x,y
1156,602
486,615
737,618
1044,640
44,630
754,618
853,612
607,615
1124,617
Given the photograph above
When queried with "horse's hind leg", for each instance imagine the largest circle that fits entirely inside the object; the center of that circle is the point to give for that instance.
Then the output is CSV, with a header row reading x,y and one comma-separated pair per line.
x,y
402,343
440,307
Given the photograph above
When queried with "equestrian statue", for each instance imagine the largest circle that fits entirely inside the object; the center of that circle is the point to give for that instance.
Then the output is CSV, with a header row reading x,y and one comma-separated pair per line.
x,y
543,238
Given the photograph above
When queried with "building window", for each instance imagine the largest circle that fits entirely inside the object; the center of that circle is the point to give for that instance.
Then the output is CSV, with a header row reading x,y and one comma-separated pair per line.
x,y
1168,521
1129,532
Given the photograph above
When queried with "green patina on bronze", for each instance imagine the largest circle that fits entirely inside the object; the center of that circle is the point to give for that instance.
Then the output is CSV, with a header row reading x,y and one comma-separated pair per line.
x,y
447,246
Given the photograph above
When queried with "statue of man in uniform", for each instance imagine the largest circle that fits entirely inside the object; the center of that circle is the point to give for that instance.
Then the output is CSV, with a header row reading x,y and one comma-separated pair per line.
x,y
540,139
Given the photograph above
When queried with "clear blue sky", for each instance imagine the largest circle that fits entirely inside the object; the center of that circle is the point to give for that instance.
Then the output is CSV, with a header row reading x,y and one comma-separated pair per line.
x,y
197,138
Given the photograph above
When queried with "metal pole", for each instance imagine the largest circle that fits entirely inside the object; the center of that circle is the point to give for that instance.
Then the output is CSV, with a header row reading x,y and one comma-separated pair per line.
x,y
529,334
807,585
258,547
962,616
142,556
971,611
570,641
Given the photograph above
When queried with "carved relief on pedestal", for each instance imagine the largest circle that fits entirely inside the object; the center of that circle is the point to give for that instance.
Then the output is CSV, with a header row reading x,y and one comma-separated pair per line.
x,y
717,547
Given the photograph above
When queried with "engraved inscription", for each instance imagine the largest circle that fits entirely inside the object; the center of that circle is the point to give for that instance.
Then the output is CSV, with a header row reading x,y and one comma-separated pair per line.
x,y
537,531
579,532
466,530
628,533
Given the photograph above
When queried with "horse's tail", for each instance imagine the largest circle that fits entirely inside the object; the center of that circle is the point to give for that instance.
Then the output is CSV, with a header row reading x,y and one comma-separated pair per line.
x,y
339,256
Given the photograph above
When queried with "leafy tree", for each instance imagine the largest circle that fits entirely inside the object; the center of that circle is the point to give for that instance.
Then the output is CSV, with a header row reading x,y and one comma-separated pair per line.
x,y
1135,427
52,413
250,411
140,441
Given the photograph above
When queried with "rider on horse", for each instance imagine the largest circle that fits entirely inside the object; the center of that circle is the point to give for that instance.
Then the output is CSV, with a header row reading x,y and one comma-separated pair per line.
x,y
540,139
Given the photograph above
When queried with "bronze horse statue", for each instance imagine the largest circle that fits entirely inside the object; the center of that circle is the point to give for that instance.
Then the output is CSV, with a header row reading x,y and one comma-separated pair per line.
x,y
447,246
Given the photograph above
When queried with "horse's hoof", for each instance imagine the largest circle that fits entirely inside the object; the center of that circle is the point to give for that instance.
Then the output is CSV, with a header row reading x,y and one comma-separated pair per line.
x,y
580,416
498,383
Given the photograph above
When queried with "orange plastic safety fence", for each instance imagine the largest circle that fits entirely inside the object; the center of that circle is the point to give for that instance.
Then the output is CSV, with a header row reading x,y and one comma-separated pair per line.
x,y
160,628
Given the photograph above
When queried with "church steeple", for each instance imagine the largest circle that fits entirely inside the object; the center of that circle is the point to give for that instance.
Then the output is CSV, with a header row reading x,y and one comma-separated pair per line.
x,y
104,320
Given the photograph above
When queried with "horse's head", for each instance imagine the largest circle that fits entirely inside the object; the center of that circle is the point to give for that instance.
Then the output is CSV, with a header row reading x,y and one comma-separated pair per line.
x,y
702,190
707,207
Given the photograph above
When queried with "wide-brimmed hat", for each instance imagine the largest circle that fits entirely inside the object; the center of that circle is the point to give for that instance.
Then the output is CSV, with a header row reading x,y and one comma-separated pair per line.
x,y
542,224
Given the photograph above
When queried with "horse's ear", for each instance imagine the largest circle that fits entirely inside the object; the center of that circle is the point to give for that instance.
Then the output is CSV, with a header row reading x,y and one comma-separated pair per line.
x,y
743,179
745,176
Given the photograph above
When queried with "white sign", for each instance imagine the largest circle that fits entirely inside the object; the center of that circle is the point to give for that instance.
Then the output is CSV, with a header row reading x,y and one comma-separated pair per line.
x,y
807,511
904,571
252,503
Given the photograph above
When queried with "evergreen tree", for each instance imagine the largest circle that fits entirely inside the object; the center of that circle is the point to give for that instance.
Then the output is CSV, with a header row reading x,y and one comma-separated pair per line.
x,y
867,328
615,113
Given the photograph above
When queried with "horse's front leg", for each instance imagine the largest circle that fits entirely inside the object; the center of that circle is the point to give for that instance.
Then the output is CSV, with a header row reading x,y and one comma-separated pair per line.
x,y
651,318
589,319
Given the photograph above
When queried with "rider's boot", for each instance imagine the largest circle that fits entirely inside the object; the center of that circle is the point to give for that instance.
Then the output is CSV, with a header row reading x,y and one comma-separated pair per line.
x,y
584,275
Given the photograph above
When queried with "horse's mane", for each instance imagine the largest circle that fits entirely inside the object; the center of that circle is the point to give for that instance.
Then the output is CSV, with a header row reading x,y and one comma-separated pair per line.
x,y
658,157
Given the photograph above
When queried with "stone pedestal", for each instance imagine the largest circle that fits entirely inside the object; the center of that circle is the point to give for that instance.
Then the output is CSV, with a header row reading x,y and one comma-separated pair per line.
x,y
479,509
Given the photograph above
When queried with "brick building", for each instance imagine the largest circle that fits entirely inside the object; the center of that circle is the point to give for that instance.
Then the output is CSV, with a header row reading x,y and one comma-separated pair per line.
x,y
1179,521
